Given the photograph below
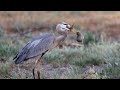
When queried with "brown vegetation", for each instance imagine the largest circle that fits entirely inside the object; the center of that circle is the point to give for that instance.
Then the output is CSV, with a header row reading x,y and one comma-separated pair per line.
x,y
100,21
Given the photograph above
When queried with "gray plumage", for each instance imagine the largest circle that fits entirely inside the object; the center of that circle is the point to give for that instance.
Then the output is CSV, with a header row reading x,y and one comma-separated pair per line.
x,y
37,46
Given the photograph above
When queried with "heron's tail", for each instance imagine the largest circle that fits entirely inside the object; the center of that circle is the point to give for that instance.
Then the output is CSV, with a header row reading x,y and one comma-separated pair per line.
x,y
19,59
15,57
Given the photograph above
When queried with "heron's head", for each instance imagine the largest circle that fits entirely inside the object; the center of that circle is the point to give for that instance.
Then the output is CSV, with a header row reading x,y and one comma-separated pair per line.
x,y
65,28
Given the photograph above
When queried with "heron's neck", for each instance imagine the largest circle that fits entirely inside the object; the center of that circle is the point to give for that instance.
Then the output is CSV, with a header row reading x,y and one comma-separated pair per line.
x,y
61,38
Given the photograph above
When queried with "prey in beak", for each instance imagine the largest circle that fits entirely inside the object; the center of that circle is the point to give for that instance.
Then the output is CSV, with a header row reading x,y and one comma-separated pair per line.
x,y
79,37
72,30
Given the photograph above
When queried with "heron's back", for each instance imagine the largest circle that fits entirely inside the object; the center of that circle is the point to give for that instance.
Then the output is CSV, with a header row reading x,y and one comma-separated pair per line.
x,y
37,46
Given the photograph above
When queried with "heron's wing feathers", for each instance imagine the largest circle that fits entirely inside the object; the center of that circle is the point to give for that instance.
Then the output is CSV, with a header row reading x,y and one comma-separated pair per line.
x,y
37,46
40,46
21,55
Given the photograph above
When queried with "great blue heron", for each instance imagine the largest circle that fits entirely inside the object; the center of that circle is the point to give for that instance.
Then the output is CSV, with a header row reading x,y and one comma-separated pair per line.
x,y
38,46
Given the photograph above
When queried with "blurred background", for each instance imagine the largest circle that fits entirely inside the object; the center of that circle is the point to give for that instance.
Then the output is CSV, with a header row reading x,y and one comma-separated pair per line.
x,y
105,23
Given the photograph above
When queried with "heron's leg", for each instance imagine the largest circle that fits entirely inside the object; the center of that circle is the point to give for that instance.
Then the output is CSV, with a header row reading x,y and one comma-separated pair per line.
x,y
18,67
39,68
33,71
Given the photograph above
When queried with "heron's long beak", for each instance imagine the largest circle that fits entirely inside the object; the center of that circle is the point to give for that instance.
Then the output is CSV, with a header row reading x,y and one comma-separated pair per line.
x,y
73,31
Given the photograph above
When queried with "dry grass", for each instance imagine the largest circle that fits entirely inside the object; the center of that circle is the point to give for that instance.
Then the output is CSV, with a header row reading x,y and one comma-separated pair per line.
x,y
67,63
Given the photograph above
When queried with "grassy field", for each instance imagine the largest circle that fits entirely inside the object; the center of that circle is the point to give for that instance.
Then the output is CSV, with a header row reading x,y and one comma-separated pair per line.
x,y
99,58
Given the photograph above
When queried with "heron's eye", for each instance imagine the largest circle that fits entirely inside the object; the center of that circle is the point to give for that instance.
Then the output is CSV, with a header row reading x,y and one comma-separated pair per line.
x,y
65,24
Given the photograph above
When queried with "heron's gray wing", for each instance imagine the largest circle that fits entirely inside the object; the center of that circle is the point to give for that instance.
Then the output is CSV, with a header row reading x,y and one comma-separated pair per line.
x,y
21,55
37,46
